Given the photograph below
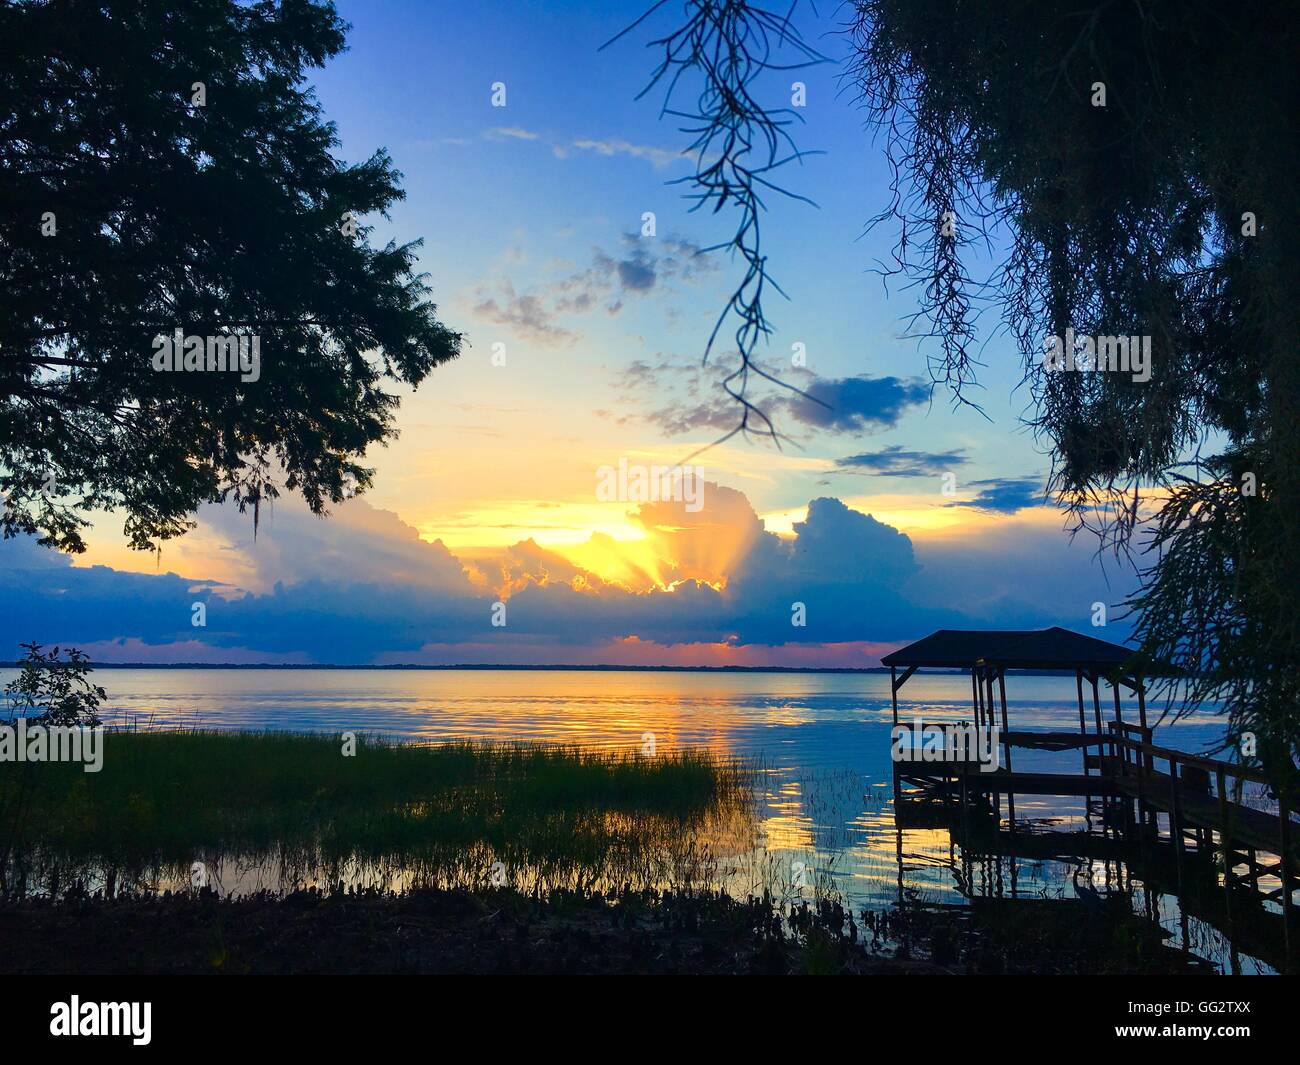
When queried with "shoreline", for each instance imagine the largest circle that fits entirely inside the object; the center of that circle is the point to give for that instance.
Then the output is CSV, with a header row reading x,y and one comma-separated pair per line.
x,y
503,931
513,668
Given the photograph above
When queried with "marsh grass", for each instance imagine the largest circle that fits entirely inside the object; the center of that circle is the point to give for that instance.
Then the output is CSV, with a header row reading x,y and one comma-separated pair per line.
x,y
291,808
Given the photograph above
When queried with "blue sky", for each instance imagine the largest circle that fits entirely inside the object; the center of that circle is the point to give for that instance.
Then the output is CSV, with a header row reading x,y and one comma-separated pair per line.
x,y
531,216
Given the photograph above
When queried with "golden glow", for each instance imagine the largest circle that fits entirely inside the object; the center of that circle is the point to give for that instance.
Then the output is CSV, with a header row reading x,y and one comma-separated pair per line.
x,y
632,563
202,555
914,514
551,524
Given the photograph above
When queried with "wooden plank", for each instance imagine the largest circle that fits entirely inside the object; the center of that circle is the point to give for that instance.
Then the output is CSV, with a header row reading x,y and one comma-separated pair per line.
x,y
893,691
1210,765
1096,703
898,682
1006,749
1052,741
971,779
1246,826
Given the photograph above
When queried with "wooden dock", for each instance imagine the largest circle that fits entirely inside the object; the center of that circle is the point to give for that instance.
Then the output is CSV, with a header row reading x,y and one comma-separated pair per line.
x,y
1184,812
1177,818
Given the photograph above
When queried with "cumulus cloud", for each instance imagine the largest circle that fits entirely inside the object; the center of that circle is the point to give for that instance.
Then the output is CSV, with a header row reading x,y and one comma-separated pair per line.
x,y
706,544
368,544
362,587
846,569
523,564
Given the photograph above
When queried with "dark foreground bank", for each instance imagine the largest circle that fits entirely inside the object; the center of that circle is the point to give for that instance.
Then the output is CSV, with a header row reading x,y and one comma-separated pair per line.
x,y
503,931
430,931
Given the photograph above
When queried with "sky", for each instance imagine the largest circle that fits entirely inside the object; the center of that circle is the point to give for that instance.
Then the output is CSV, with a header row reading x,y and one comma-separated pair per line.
x,y
490,535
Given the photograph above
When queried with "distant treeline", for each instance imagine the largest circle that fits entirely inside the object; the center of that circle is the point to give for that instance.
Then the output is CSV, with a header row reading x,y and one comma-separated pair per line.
x,y
549,669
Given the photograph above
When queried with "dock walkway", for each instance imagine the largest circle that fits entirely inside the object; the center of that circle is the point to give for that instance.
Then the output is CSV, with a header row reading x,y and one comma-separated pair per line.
x,y
1254,853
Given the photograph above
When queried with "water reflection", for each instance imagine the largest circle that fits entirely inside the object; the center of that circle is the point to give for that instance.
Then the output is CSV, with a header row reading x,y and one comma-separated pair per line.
x,y
823,819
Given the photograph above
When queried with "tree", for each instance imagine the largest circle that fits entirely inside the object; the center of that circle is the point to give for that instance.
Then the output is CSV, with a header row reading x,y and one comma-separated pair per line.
x,y
167,178
1135,164
49,691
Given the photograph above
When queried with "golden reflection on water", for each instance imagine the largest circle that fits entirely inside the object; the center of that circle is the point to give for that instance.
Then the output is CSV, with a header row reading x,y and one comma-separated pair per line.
x,y
823,812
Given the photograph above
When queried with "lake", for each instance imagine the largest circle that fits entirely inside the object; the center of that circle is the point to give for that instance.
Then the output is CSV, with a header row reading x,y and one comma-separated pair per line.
x,y
822,740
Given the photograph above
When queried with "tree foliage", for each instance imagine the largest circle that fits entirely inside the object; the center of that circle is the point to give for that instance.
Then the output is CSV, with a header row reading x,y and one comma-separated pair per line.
x,y
1165,206
722,50
52,691
166,167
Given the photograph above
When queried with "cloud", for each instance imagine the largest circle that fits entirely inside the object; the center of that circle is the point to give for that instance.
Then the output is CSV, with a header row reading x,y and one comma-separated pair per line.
x,y
855,404
715,584
706,544
1005,495
677,385
720,415
609,147
633,271
523,564
511,133
845,568
1024,573
831,405
527,315
659,158
370,545
895,461
836,543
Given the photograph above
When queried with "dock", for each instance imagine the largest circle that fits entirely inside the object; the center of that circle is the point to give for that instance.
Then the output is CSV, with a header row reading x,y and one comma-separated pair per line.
x,y
1180,821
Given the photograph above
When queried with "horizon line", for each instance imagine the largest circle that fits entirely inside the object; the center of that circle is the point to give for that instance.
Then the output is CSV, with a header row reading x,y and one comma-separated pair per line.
x,y
554,667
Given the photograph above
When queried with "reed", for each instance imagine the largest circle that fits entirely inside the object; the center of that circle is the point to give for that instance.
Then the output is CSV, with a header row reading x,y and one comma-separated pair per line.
x,y
401,813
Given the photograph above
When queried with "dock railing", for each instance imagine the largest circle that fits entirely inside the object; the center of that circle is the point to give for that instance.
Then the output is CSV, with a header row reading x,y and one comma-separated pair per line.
x,y
1188,782
1202,798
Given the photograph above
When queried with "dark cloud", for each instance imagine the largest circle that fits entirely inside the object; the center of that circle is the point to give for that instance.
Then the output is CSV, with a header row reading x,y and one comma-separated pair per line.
x,y
850,404
855,404
1005,495
894,461
636,272
1015,576
845,567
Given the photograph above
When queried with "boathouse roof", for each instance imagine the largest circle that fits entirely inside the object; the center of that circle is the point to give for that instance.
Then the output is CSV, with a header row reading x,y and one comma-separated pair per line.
x,y
1053,648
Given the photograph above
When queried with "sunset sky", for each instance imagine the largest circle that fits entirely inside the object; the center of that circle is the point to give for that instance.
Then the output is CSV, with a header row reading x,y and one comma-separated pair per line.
x,y
531,216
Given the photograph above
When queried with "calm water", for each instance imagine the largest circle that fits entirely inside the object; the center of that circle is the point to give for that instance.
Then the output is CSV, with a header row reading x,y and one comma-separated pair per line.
x,y
826,799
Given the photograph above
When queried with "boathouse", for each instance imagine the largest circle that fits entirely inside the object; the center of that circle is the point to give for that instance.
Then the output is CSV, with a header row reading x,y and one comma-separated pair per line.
x,y
1189,805
988,653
